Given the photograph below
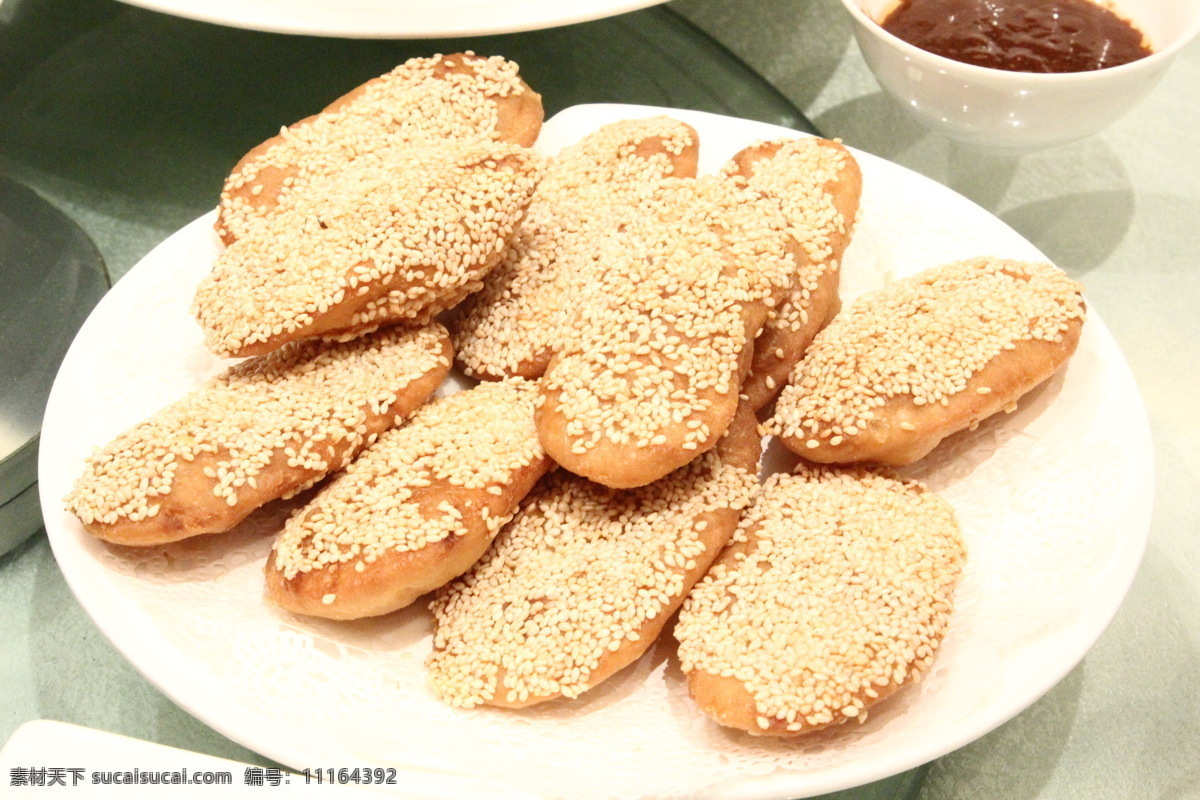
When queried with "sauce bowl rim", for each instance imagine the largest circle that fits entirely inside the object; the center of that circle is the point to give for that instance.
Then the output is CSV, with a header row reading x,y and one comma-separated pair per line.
x,y
944,63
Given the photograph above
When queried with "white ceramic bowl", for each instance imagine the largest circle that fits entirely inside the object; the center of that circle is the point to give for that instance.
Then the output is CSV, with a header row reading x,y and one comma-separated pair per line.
x,y
1020,111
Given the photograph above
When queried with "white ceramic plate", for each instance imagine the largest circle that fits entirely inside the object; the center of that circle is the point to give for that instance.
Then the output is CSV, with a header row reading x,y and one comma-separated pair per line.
x,y
382,19
1055,501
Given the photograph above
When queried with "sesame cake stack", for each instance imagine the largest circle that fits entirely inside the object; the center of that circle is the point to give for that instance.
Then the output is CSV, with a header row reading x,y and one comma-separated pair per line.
x,y
628,321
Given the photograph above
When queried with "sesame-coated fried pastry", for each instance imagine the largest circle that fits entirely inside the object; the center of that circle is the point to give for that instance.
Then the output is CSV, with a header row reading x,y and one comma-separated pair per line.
x,y
423,102
916,361
508,328
835,593
582,581
399,236
266,428
819,184
417,509
648,375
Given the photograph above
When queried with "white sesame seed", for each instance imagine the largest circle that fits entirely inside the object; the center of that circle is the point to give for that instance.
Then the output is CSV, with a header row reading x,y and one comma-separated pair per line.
x,y
423,102
389,210
913,347
579,574
455,449
818,184
264,415
510,326
683,274
844,576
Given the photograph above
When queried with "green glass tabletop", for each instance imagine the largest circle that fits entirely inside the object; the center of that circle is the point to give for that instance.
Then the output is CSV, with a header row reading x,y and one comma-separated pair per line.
x,y
131,119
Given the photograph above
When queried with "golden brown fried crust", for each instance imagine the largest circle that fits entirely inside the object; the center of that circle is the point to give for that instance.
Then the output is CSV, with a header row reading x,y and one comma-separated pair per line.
x,y
846,190
1008,376
741,447
339,320
648,377
613,465
727,701
785,338
191,508
390,239
271,178
507,329
906,366
396,579
682,165
779,348
520,116
416,510
835,592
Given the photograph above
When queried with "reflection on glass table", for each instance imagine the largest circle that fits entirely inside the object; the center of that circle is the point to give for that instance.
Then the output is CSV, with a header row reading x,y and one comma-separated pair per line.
x,y
52,276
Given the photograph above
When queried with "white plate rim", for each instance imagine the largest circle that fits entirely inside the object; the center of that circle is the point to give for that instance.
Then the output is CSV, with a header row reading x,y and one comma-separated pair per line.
x,y
386,19
158,665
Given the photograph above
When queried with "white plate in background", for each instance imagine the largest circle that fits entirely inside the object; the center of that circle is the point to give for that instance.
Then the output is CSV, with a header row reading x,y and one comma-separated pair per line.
x,y
386,19
1055,502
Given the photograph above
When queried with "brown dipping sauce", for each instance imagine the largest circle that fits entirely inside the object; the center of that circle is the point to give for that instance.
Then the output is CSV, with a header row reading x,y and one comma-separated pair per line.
x,y
1019,35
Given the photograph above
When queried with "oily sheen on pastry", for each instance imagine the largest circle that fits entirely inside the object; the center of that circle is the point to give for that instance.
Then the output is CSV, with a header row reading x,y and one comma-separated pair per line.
x,y
266,428
397,236
584,578
818,184
906,366
510,327
835,592
648,374
418,508
423,102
